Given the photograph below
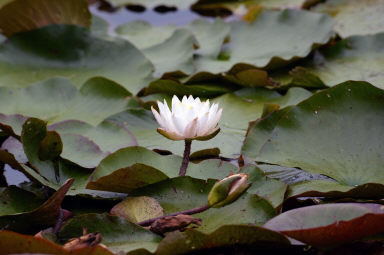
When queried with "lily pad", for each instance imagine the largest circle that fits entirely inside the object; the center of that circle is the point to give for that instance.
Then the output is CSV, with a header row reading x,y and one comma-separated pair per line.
x,y
354,17
174,54
324,188
343,127
143,35
140,167
59,100
273,39
72,52
172,87
118,234
291,175
184,193
86,145
271,190
25,15
330,224
20,217
226,236
355,58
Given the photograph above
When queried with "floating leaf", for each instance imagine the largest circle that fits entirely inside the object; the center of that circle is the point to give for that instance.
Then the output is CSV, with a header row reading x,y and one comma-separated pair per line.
x,y
271,190
59,100
118,234
273,39
72,52
172,87
324,188
86,145
354,17
143,35
184,193
355,58
330,224
139,167
25,15
226,236
174,54
343,127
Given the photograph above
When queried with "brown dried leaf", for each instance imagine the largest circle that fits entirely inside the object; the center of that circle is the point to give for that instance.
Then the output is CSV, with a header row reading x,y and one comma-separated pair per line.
x,y
87,240
172,223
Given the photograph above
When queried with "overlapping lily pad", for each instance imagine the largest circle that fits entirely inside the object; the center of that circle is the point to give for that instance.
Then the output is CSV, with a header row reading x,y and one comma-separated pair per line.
x,y
224,237
330,224
57,100
274,38
354,17
342,126
140,167
86,145
184,193
72,52
356,58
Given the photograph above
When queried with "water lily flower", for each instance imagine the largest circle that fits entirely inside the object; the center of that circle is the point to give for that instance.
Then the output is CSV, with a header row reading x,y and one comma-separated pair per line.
x,y
189,119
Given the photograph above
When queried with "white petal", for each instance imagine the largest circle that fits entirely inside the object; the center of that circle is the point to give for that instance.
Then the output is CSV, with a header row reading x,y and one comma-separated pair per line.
x,y
190,129
202,121
157,117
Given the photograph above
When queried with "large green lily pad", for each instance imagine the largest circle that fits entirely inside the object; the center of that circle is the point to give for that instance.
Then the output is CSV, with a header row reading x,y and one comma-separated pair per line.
x,y
273,39
174,54
118,234
184,193
139,167
143,35
86,145
57,100
330,224
24,15
354,17
342,126
224,237
356,58
72,52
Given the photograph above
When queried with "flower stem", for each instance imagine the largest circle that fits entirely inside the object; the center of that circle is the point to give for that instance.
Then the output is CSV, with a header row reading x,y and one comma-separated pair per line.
x,y
184,164
186,212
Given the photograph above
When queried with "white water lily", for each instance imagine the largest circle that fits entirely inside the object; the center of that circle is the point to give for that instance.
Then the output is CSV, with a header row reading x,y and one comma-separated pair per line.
x,y
189,119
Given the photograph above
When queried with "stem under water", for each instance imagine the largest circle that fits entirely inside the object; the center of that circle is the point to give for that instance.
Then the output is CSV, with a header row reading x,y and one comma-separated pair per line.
x,y
186,212
184,164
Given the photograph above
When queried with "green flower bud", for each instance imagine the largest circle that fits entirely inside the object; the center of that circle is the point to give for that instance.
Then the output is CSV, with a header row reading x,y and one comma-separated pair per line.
x,y
228,190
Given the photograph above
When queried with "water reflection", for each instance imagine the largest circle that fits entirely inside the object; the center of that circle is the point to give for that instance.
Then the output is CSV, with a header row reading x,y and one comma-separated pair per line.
x,y
122,16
